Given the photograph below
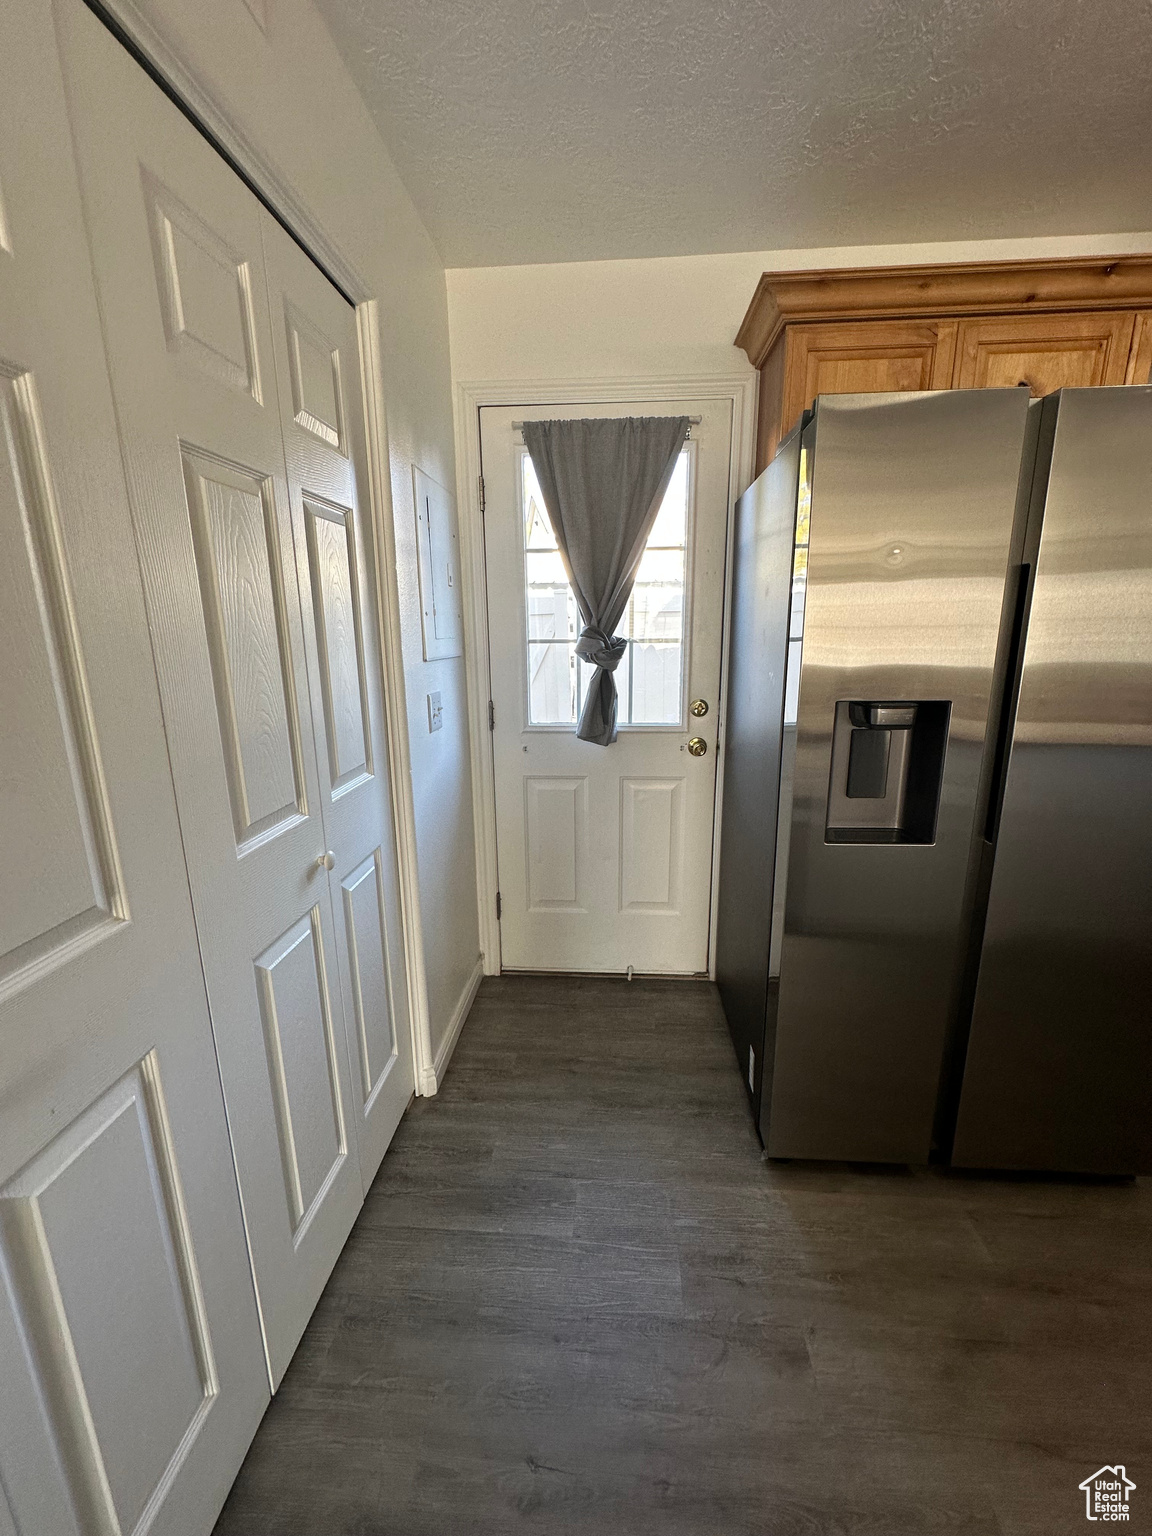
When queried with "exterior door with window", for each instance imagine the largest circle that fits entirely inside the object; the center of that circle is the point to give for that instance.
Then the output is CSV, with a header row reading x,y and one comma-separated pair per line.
x,y
605,853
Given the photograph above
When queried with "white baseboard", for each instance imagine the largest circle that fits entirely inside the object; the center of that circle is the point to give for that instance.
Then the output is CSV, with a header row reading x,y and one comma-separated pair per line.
x,y
431,1080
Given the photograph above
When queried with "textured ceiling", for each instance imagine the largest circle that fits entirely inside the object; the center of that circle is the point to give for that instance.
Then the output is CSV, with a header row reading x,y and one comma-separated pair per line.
x,y
535,130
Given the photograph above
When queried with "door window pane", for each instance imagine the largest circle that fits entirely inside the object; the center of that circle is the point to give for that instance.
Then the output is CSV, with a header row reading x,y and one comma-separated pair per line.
x,y
650,677
655,683
551,693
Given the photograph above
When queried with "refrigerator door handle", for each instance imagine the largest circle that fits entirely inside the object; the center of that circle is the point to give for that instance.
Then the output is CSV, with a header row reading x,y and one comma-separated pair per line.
x,y
999,777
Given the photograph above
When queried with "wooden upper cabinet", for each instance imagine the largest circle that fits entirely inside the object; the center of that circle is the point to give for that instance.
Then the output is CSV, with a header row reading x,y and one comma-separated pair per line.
x,y
1046,352
863,358
1048,325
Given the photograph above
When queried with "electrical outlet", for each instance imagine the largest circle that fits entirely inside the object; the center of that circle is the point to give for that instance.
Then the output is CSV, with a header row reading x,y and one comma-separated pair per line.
x,y
435,712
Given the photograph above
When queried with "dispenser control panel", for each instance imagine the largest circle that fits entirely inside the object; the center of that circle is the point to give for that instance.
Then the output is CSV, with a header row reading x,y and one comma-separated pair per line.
x,y
887,769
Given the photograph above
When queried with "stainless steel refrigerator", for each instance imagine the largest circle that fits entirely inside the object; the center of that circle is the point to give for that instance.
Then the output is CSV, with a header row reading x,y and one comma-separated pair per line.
x,y
906,523
936,876
880,647
1057,1068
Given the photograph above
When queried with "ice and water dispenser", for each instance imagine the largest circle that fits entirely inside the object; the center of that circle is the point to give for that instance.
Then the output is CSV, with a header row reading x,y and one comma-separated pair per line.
x,y
887,768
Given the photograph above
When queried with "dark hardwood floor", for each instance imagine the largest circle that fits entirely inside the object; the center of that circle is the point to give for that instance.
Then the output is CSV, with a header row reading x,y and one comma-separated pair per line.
x,y
578,1300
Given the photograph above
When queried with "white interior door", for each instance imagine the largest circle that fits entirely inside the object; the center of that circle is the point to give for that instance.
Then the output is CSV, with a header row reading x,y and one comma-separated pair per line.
x,y
322,415
131,1367
605,853
178,253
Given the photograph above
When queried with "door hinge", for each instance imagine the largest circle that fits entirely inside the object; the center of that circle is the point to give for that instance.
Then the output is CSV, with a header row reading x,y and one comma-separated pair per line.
x,y
480,482
491,715
499,906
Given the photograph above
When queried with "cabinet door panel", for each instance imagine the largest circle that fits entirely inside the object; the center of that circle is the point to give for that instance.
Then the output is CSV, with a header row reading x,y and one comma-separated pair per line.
x,y
1140,357
1046,352
865,357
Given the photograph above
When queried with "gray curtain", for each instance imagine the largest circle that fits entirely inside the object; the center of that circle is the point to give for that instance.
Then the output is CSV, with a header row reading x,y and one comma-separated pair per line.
x,y
603,482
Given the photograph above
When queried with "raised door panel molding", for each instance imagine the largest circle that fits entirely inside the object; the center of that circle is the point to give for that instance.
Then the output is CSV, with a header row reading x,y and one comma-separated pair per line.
x,y
314,367
555,842
954,288
56,823
651,843
303,1066
339,642
205,293
94,1238
237,557
1139,369
864,358
1045,352
369,966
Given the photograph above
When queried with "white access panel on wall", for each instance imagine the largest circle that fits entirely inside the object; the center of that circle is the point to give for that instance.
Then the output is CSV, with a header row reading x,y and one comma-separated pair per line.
x,y
439,558
131,1367
258,580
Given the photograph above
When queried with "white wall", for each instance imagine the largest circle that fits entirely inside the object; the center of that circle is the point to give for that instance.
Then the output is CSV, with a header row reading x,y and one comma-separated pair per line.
x,y
669,316
285,89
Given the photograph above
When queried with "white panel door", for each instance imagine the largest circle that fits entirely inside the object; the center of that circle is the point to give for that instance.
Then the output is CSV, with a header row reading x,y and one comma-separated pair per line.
x,y
322,414
131,1369
605,853
178,254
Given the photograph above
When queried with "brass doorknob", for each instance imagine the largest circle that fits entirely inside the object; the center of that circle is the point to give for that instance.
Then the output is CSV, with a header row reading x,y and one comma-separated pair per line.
x,y
699,708
697,746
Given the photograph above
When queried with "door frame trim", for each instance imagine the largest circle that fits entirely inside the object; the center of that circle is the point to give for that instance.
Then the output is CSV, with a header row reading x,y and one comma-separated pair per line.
x,y
740,391
157,55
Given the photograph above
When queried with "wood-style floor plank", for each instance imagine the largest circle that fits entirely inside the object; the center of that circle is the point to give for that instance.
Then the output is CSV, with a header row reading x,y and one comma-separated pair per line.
x,y
579,1300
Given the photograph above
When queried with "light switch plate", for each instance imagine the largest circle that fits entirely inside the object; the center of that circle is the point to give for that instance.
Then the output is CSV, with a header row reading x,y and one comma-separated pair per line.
x,y
435,712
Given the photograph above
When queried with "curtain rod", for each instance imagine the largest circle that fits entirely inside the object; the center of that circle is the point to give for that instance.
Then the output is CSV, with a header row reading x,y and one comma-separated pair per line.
x,y
693,421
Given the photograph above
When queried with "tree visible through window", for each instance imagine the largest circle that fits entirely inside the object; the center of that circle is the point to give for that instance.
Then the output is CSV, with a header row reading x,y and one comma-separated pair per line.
x,y
649,679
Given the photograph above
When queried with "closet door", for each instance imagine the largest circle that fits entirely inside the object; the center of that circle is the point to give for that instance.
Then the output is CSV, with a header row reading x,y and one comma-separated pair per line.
x,y
322,415
179,264
131,1369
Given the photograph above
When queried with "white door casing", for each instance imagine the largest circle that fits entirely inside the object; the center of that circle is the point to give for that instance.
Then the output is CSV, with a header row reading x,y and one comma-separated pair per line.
x,y
131,1367
178,249
605,853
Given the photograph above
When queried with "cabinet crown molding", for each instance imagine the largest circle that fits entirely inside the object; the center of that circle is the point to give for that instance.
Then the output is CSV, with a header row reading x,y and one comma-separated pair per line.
x,y
954,288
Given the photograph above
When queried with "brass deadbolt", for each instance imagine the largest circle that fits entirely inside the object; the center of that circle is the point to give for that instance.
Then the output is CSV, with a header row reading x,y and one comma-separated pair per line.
x,y
699,708
697,746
